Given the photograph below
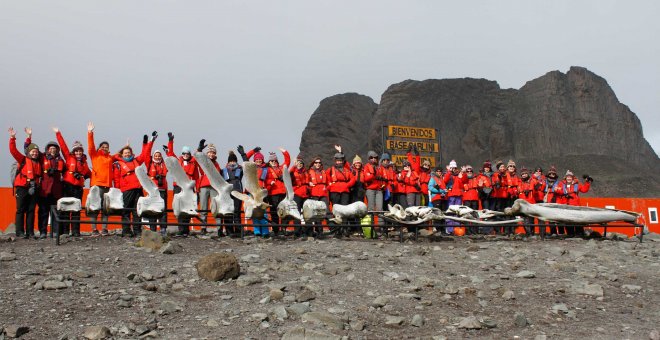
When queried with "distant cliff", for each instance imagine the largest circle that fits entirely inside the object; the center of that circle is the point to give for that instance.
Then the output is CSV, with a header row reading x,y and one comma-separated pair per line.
x,y
573,121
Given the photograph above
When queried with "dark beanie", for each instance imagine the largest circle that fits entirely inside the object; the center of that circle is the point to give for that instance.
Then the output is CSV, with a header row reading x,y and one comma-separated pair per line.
x,y
232,157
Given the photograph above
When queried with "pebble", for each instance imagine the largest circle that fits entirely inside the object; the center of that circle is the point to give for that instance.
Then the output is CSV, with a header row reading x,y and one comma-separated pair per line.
x,y
380,301
508,295
417,320
7,256
520,320
469,322
13,331
276,294
526,274
169,306
97,332
305,295
393,321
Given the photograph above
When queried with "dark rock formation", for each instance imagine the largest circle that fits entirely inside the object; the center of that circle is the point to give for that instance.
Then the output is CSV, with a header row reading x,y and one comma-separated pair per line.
x,y
572,120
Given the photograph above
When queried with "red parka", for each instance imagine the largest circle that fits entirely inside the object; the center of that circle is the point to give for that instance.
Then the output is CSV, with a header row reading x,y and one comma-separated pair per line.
x,y
30,169
570,194
300,181
127,178
274,183
318,182
74,165
454,183
341,180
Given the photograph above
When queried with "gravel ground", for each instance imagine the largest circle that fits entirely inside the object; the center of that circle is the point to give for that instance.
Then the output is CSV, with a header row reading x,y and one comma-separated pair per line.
x,y
353,288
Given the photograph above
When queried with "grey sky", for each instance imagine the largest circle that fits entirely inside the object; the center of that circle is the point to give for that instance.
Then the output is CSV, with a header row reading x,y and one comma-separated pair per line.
x,y
252,72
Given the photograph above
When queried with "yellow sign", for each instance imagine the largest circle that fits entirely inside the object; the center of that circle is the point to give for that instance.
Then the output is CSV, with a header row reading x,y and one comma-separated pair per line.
x,y
404,145
398,160
410,132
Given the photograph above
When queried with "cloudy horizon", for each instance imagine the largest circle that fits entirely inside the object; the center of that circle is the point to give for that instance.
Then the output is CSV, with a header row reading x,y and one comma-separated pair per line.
x,y
253,73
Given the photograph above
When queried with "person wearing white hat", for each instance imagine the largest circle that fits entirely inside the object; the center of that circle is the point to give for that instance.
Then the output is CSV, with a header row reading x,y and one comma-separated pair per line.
x,y
455,180
568,192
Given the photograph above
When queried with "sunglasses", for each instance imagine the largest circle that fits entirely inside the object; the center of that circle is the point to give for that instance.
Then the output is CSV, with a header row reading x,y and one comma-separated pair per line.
x,y
317,162
468,170
373,157
186,153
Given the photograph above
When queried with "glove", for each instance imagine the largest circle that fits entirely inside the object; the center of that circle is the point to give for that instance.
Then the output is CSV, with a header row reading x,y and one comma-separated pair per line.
x,y
240,149
409,148
257,149
417,187
145,139
51,172
153,136
415,151
201,145
77,175
165,148
170,136
537,186
587,178
437,187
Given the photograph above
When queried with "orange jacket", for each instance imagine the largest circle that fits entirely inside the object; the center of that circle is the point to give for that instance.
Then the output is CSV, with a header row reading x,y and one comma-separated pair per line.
x,y
340,180
274,183
471,188
411,183
77,170
30,169
102,168
300,181
454,184
127,178
526,190
204,180
318,183
539,187
570,194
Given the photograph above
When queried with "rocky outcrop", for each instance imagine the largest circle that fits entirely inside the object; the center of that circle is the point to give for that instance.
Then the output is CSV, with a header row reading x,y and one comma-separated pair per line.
x,y
572,120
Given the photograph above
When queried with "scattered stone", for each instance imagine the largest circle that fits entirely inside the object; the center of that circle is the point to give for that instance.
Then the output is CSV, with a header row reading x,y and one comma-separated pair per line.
x,y
150,240
124,304
179,287
417,320
526,274
150,287
305,295
260,316
520,320
357,325
508,295
14,331
54,285
276,294
488,322
327,319
169,307
171,248
147,276
473,248
299,308
82,274
654,335
541,337
381,301
97,332
246,280
218,266
393,321
7,256
469,322
300,333
560,307
212,323
589,289
250,258
631,288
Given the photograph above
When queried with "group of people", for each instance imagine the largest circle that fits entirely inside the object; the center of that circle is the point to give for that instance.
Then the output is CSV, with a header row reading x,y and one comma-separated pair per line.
x,y
42,177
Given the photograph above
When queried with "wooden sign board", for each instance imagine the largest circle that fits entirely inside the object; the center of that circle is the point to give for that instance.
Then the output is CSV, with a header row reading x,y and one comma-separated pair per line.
x,y
399,131
391,144
398,160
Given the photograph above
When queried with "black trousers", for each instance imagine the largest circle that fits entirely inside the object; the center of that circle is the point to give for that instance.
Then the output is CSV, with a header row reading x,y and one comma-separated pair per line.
x,y
130,204
25,205
318,227
299,203
44,204
163,218
71,190
234,219
474,205
274,200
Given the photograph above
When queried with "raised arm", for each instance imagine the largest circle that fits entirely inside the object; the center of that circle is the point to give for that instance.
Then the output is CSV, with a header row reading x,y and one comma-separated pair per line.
x,y
60,140
18,156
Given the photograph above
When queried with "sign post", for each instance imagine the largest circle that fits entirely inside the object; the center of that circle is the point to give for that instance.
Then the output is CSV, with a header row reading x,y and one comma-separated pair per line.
x,y
397,139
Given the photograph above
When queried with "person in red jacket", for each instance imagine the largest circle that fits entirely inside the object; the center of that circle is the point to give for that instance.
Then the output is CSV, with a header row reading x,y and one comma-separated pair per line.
x,y
341,180
526,192
511,182
539,185
422,169
206,191
157,171
568,192
358,190
375,183
191,168
471,194
318,187
51,187
129,184
26,184
102,173
76,172
551,182
411,184
275,185
454,181
300,183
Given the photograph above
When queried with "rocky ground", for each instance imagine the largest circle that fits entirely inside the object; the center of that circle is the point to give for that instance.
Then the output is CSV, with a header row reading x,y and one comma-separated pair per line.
x,y
333,288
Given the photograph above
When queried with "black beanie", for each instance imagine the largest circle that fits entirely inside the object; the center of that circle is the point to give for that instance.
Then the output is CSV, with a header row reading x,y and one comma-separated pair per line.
x,y
232,157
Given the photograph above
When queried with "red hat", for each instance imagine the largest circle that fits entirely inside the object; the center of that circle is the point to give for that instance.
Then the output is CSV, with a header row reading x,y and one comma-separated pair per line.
x,y
258,156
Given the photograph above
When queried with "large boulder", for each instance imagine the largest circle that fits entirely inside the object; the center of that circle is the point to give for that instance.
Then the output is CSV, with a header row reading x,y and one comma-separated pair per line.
x,y
218,266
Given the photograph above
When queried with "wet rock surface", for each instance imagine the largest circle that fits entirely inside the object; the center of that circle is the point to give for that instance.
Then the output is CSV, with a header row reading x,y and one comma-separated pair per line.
x,y
467,288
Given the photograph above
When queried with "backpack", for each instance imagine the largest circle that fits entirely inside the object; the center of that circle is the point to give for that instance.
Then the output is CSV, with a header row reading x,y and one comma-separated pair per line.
x,y
14,171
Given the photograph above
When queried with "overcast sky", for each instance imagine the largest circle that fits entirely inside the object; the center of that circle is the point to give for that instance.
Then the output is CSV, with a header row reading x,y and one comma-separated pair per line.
x,y
252,72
